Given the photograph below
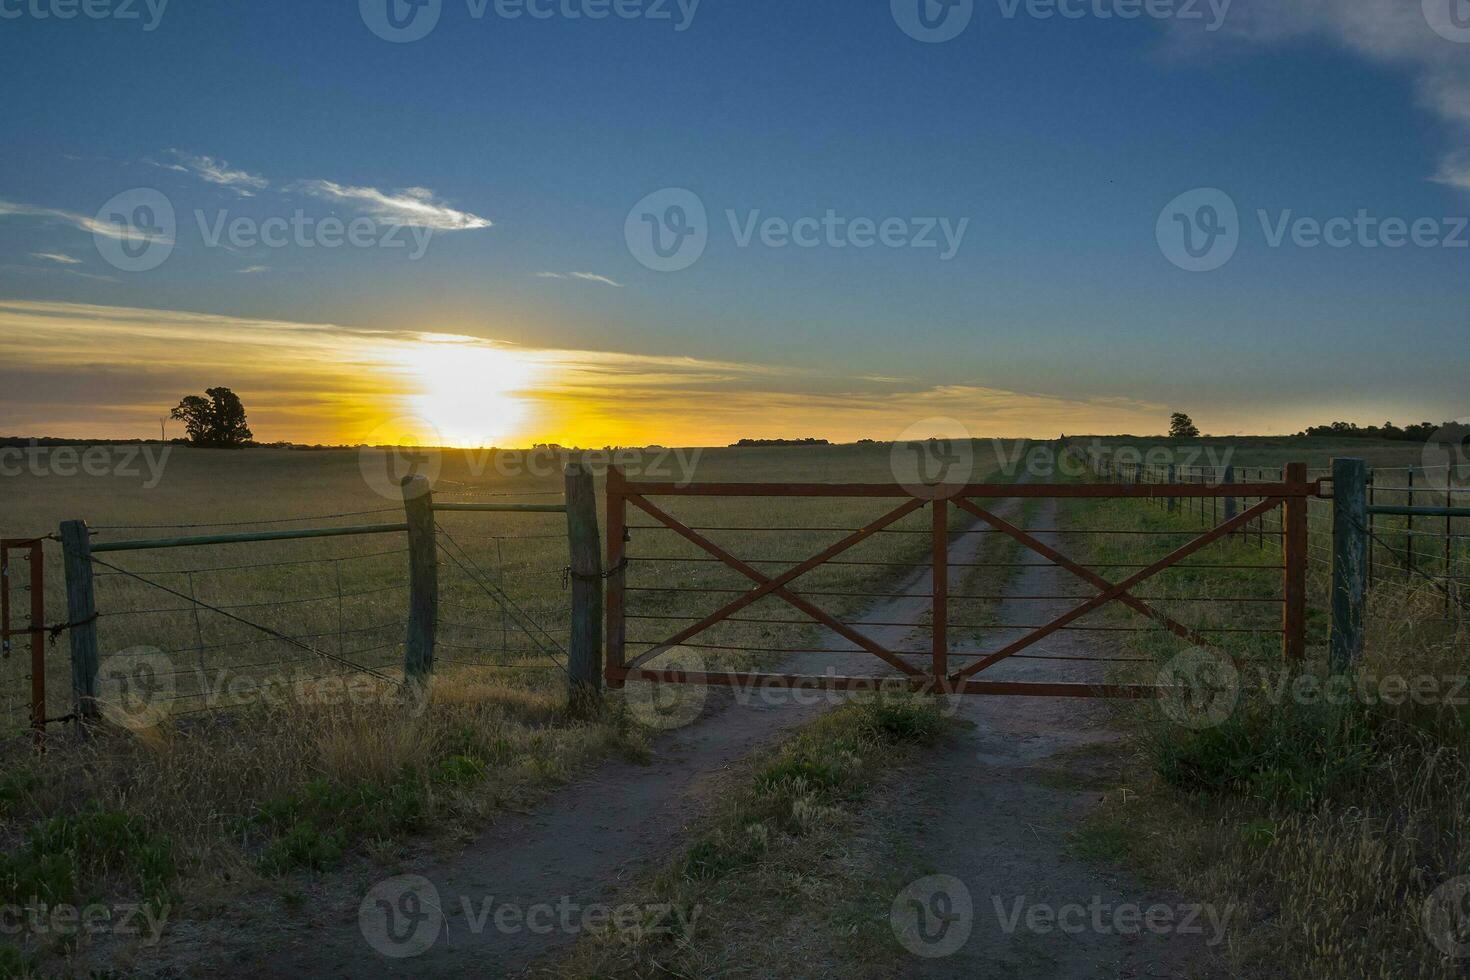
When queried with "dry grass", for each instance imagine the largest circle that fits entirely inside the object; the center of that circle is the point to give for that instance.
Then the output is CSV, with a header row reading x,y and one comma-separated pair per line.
x,y
299,778
780,880
1332,823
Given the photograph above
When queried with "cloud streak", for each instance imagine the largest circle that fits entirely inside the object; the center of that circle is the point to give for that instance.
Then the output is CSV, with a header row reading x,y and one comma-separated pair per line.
x,y
218,172
82,222
411,207
584,276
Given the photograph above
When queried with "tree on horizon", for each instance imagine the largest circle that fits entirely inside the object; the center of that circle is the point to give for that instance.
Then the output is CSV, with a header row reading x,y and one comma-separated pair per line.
x,y
1181,426
215,419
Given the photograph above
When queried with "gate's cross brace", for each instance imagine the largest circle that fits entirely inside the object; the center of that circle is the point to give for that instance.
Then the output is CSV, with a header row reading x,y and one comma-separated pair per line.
x,y
1082,572
1112,592
776,586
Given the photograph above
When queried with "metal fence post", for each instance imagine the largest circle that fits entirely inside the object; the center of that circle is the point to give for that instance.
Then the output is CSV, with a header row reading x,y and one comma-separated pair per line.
x,y
584,653
423,580
1349,560
81,614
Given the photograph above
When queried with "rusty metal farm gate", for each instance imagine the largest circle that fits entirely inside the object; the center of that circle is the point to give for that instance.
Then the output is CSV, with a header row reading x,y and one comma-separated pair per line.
x,y
929,670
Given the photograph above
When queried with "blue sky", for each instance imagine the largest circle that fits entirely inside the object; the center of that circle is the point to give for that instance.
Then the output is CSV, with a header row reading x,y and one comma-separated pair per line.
x,y
1057,140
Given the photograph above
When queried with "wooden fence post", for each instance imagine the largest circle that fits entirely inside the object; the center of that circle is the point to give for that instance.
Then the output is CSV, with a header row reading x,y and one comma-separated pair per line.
x,y
423,580
1231,507
1349,560
1173,478
81,613
940,602
617,534
584,654
1294,552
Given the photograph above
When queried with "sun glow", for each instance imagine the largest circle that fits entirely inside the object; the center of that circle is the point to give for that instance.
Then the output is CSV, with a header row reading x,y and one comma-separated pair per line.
x,y
469,392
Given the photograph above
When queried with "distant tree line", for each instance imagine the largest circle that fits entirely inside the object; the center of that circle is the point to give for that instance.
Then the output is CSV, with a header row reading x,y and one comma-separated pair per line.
x,y
745,443
1421,432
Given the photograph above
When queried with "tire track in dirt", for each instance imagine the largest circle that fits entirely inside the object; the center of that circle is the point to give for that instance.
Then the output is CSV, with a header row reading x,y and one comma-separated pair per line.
x,y
584,842
979,810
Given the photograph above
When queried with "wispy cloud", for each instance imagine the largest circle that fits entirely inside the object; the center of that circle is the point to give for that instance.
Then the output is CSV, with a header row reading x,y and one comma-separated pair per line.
x,y
251,270
90,275
217,172
584,276
72,369
1384,31
83,222
413,207
56,257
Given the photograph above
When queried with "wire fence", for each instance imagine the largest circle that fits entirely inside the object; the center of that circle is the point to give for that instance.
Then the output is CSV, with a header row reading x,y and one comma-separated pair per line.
x,y
192,629
1409,555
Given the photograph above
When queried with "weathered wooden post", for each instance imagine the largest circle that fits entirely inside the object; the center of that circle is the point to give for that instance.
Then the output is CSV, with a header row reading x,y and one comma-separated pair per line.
x,y
584,654
1349,560
423,580
1231,507
81,613
617,536
1409,531
1294,548
1173,477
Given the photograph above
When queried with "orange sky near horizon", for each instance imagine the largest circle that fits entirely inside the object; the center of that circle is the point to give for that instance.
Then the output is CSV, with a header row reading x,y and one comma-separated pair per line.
x,y
75,370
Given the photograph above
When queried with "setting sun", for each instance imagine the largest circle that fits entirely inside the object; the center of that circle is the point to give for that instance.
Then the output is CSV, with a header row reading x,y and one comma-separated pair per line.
x,y
467,392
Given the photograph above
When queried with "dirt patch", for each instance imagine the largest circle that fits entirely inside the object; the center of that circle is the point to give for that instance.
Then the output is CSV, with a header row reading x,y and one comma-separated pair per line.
x,y
996,810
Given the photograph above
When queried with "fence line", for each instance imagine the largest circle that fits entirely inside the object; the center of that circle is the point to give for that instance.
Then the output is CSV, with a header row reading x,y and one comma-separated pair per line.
x,y
338,627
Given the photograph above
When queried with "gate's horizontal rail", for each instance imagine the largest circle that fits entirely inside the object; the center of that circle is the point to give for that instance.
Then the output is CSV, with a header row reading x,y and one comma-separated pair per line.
x,y
953,564
993,490
956,595
951,624
926,531
751,681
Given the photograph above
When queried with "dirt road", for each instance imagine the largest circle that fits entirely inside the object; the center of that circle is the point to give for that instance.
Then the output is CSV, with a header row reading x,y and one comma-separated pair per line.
x,y
986,812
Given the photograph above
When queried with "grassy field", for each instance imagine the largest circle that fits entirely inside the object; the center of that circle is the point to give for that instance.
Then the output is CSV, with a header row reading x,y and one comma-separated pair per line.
x,y
316,764
300,776
1332,818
